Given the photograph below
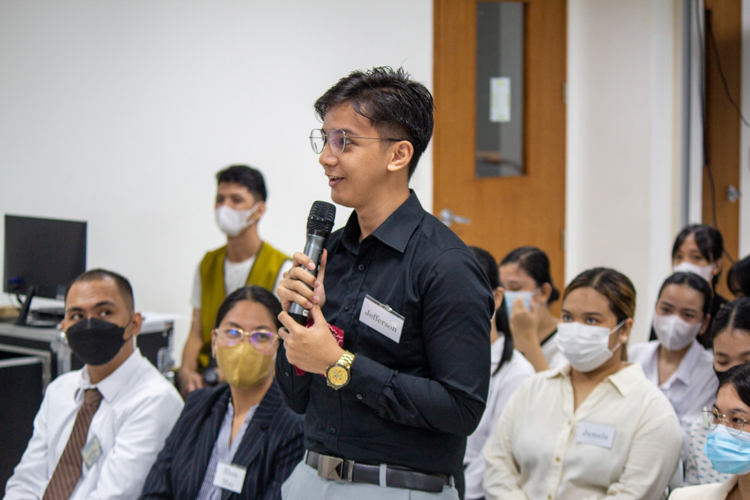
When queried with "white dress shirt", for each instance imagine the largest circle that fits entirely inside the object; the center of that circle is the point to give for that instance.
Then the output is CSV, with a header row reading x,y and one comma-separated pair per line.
x,y
537,451
136,414
502,386
555,358
689,389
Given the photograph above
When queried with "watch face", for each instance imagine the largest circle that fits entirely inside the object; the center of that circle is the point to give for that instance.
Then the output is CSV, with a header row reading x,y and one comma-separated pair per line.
x,y
338,375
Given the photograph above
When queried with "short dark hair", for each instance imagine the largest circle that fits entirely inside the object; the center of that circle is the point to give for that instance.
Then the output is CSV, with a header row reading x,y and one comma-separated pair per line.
x,y
696,283
734,315
535,263
738,277
739,377
122,283
246,176
395,104
253,293
708,239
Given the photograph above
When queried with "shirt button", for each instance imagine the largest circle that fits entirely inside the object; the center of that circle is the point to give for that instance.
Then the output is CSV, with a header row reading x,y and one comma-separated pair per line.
x,y
347,307
286,373
359,396
332,430
361,267
557,459
550,497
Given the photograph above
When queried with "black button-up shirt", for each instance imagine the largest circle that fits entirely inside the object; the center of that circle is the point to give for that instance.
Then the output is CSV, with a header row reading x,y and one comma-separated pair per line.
x,y
412,402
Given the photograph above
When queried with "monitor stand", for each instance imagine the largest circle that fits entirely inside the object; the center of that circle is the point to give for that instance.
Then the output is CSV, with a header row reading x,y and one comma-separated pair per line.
x,y
24,314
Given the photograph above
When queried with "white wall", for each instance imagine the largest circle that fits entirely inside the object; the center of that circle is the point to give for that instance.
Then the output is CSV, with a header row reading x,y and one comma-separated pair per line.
x,y
120,113
623,112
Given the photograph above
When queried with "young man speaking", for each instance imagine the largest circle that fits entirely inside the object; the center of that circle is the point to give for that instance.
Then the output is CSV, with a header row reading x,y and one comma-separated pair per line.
x,y
390,409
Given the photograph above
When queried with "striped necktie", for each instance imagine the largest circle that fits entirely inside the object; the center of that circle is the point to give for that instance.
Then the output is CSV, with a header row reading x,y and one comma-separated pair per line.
x,y
68,469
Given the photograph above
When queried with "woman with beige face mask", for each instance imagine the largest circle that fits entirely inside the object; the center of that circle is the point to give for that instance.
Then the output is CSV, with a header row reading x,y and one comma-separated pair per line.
x,y
238,436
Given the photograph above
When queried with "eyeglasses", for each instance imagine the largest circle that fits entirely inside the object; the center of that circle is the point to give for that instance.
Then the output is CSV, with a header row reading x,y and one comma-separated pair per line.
x,y
337,140
264,341
733,420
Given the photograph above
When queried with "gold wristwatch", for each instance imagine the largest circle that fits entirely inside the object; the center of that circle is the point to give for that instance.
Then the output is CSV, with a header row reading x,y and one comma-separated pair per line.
x,y
339,374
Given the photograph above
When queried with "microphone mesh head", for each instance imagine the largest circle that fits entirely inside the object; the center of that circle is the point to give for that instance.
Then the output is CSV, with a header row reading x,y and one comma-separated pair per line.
x,y
320,221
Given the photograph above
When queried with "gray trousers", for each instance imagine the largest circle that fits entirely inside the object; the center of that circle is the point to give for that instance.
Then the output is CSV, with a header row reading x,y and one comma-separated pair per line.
x,y
305,484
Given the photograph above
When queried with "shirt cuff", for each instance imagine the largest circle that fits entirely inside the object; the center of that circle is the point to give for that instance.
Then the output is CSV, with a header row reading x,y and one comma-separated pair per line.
x,y
368,380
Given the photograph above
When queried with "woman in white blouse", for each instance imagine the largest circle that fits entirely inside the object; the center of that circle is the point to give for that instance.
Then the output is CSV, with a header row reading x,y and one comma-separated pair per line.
x,y
728,444
731,341
676,362
593,429
529,291
509,370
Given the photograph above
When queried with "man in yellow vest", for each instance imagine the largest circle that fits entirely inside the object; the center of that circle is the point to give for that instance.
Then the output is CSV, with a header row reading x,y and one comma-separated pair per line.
x,y
244,260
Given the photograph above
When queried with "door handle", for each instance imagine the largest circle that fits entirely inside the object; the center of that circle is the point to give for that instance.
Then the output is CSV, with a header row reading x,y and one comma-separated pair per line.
x,y
448,218
733,194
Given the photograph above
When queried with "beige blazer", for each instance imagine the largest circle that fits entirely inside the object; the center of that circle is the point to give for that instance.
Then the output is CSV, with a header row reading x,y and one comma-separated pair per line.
x,y
717,491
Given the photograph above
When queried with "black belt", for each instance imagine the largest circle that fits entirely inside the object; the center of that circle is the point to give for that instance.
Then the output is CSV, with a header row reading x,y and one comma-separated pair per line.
x,y
339,469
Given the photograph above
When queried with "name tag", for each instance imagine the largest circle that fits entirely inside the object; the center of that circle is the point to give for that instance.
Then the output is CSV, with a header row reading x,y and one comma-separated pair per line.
x,y
230,477
382,319
598,435
91,452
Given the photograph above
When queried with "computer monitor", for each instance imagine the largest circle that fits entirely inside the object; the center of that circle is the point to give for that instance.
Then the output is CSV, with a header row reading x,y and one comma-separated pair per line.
x,y
42,256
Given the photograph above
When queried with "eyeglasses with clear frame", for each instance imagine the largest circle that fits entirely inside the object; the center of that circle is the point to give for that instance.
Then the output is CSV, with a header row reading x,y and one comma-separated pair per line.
x,y
337,139
734,421
264,341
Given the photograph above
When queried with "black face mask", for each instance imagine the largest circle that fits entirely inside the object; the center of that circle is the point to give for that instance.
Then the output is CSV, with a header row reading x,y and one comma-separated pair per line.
x,y
722,376
95,341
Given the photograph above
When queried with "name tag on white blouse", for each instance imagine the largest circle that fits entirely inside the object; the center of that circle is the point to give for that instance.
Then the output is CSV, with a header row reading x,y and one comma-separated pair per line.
x,y
382,318
596,434
91,452
230,477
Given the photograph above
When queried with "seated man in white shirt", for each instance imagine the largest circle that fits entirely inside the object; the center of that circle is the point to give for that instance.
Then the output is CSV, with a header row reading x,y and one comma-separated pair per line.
x,y
100,428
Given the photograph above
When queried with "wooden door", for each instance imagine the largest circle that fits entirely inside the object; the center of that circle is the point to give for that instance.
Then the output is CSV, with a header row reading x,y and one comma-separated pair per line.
x,y
723,35
505,212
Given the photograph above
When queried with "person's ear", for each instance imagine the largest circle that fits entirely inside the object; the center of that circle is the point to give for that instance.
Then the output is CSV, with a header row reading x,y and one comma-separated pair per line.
x,y
498,293
544,293
259,211
625,329
136,322
718,266
401,154
213,343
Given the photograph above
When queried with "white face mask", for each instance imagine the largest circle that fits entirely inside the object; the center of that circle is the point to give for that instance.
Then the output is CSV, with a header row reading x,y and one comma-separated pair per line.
x,y
705,272
675,333
232,222
585,346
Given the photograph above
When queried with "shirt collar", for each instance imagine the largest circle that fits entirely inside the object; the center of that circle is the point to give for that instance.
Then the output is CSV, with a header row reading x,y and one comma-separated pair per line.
x,y
684,371
624,380
395,231
111,385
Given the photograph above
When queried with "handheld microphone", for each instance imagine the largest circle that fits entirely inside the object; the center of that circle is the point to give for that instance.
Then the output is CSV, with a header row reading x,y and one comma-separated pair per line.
x,y
319,226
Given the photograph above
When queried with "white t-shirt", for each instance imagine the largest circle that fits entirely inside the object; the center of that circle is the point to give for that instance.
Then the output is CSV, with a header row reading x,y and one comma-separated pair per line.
x,y
502,386
235,277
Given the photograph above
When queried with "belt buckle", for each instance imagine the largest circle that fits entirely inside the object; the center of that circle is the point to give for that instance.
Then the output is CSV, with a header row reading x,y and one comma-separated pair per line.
x,y
333,468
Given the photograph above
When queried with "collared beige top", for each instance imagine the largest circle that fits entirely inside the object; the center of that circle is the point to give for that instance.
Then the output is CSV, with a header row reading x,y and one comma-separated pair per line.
x,y
534,452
